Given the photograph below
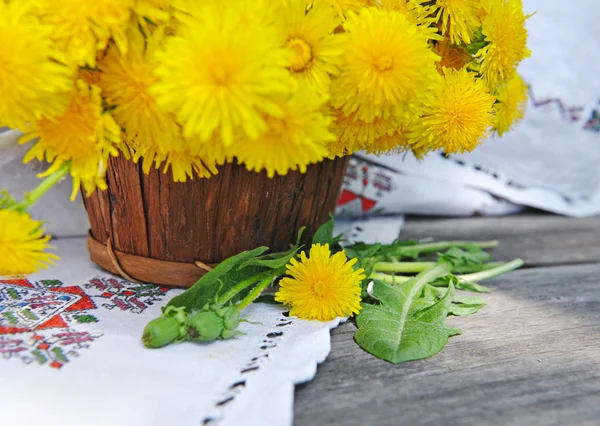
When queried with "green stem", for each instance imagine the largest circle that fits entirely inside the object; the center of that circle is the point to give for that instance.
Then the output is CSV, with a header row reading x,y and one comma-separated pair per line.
x,y
389,279
256,292
489,273
225,297
441,245
474,277
402,266
31,197
409,267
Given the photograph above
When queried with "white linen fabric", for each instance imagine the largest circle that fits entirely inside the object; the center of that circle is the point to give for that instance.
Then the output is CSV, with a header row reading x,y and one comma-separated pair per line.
x,y
71,354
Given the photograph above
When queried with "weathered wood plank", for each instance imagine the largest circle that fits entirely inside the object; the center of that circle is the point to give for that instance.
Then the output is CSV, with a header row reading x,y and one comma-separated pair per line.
x,y
540,239
532,357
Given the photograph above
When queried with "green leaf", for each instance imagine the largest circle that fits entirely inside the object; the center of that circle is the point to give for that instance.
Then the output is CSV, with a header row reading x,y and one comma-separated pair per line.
x,y
460,284
474,287
218,280
398,329
461,310
458,257
324,235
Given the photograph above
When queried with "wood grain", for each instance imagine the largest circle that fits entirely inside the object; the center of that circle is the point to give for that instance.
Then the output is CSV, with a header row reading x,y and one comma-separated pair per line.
x,y
210,219
540,239
532,357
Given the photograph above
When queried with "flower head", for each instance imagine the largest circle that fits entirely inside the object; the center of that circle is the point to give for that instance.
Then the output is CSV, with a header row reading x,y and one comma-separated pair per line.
x,y
458,116
504,30
83,136
316,51
322,286
458,19
125,81
33,81
342,7
291,141
511,102
222,74
388,68
418,13
83,27
22,244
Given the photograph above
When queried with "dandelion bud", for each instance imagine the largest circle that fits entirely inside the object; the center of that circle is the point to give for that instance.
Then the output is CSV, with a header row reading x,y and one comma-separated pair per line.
x,y
160,332
204,326
231,320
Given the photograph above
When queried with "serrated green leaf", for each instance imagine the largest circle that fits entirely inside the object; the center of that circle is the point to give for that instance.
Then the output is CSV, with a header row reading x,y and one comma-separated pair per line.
x,y
324,234
218,280
458,257
469,300
397,329
474,287
461,310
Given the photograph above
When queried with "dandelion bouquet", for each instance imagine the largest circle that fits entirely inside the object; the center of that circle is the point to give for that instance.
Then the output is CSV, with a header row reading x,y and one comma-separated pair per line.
x,y
187,86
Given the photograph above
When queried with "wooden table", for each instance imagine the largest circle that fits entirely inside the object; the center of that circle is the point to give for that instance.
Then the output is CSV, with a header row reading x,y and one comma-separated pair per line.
x,y
531,357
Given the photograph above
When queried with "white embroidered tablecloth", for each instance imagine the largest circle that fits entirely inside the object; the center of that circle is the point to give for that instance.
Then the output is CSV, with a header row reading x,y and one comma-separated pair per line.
x,y
72,355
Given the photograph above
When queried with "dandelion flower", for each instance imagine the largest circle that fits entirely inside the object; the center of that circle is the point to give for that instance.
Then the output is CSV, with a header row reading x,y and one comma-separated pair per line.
x,y
83,136
388,69
184,165
511,103
343,7
418,13
458,19
456,118
33,81
504,30
316,52
22,244
394,141
357,134
125,81
81,28
322,286
223,74
291,141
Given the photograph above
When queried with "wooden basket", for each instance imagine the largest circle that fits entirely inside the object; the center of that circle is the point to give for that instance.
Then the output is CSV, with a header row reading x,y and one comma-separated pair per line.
x,y
151,229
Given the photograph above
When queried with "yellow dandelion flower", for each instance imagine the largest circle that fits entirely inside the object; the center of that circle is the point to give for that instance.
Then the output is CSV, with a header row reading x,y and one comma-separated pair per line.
x,y
291,141
157,11
504,30
451,56
316,52
125,81
418,13
82,28
457,117
458,19
83,136
357,134
343,7
321,286
184,165
223,74
33,81
22,244
388,68
395,141
511,102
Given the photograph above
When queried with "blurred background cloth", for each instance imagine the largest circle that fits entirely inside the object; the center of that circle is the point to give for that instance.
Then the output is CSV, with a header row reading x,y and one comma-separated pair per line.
x,y
550,161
